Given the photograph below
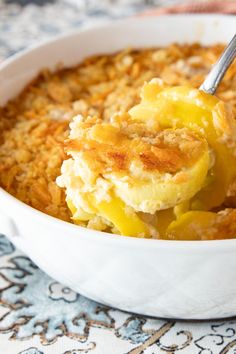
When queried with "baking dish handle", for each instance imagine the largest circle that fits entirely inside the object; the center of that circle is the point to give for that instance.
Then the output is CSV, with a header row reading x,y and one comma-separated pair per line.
x,y
7,226
9,229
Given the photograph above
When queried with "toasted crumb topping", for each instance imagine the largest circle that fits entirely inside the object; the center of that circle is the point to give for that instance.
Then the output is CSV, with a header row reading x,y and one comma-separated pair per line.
x,y
113,147
223,227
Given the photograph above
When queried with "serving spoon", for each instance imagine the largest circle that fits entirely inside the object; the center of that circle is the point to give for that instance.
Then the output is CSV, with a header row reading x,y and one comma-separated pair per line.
x,y
218,71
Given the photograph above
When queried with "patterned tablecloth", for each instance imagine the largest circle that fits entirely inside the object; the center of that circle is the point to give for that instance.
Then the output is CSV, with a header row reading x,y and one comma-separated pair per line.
x,y
39,315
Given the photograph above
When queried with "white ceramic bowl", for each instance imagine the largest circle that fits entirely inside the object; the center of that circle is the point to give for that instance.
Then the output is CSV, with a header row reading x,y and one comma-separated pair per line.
x,y
175,279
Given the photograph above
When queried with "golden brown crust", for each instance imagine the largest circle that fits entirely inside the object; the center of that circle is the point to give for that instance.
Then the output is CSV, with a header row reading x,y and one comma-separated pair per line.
x,y
115,145
224,226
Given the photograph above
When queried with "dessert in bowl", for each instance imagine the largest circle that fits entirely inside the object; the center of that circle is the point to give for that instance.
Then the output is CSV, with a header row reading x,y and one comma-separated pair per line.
x,y
170,157
129,168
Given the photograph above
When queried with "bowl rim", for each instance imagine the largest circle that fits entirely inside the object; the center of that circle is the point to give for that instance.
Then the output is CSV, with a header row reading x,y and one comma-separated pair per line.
x,y
136,18
100,236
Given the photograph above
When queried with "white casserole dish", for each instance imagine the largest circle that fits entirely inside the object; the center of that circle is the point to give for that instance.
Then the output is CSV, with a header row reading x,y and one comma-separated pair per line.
x,y
174,279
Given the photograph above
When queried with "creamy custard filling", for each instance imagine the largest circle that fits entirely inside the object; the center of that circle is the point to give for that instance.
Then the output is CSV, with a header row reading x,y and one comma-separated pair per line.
x,y
142,172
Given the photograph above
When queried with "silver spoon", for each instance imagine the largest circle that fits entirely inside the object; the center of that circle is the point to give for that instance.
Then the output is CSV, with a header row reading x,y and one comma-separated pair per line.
x,y
218,71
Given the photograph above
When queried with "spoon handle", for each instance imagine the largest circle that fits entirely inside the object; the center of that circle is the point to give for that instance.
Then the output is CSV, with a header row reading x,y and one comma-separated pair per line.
x,y
216,74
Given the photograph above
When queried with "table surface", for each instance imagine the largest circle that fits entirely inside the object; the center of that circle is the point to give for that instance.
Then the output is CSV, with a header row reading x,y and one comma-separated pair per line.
x,y
39,315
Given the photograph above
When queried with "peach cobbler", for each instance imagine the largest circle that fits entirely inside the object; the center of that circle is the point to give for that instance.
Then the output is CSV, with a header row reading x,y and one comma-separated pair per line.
x,y
127,144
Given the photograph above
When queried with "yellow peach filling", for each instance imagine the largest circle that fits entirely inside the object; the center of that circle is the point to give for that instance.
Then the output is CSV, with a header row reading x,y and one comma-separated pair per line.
x,y
156,171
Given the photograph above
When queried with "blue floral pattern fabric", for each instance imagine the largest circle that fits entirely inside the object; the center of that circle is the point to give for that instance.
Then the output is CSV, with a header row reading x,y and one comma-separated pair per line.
x,y
37,314
21,26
